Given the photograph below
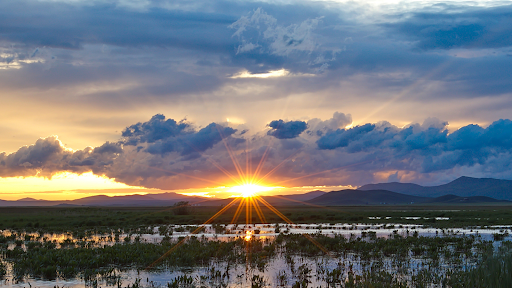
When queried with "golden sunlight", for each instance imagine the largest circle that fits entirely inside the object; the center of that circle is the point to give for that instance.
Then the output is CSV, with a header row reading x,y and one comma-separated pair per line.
x,y
249,190
64,185
248,235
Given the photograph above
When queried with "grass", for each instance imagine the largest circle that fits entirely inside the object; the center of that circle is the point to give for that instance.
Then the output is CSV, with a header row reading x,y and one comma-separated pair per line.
x,y
54,219
376,257
447,261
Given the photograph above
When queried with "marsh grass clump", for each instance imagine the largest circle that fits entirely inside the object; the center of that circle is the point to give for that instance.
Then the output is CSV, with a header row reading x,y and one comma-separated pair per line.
x,y
182,281
3,270
45,261
495,270
258,281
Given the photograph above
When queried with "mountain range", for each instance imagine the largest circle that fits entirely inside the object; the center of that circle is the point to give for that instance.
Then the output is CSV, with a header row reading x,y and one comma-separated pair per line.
x,y
461,190
463,187
161,199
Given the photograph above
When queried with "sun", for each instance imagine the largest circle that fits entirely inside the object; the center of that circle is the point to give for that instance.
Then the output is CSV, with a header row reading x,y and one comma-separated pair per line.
x,y
249,190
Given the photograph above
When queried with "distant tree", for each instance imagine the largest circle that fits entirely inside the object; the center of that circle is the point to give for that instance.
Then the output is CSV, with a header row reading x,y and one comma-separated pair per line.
x,y
181,208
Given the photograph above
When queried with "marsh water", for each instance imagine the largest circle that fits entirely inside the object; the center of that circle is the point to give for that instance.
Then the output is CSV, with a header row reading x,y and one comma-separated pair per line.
x,y
283,268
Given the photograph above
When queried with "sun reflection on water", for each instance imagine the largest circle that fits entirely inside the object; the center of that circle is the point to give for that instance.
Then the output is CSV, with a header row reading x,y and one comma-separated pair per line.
x,y
248,235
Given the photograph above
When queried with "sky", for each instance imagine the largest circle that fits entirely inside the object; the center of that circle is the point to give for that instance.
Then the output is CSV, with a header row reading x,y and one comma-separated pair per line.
x,y
122,97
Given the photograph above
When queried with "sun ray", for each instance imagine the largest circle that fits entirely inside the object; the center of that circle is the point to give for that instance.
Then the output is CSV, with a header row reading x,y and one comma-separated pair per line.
x,y
181,174
310,204
257,208
275,168
247,212
278,213
249,199
215,163
238,211
247,159
192,233
407,90
164,210
262,161
325,171
232,156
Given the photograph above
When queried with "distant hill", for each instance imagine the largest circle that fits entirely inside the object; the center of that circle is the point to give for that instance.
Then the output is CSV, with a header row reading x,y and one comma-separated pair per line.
x,y
162,199
452,199
461,190
293,199
365,197
28,202
277,200
404,188
463,187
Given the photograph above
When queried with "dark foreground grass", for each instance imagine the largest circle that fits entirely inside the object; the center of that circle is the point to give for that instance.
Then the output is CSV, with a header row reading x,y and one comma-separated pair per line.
x,y
57,219
495,270
383,262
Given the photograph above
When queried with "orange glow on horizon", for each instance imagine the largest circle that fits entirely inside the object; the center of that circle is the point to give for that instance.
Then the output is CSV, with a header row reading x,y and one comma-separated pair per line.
x,y
65,186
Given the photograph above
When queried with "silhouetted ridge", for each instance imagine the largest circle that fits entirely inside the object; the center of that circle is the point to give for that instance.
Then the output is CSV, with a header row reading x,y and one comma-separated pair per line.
x,y
453,199
463,187
365,197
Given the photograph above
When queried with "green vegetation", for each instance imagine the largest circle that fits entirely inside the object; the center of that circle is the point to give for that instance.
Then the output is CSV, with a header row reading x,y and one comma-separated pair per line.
x,y
334,261
495,270
181,208
107,219
48,262
3,271
416,261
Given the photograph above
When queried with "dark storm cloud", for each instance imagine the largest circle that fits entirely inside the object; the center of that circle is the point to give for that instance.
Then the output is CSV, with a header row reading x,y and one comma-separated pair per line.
x,y
192,143
70,26
166,49
452,28
163,49
429,143
341,138
157,128
165,136
286,130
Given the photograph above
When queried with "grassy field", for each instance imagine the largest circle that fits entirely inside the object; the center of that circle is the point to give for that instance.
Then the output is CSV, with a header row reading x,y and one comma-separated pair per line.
x,y
85,218
471,262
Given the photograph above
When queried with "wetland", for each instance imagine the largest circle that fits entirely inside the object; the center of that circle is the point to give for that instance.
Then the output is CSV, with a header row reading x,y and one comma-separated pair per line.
x,y
332,247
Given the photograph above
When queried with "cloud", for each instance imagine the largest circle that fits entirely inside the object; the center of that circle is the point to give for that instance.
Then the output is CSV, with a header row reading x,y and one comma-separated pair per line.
x,y
338,120
91,68
49,156
260,32
165,136
429,144
286,130
74,25
458,28
157,128
195,142
269,74
166,154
